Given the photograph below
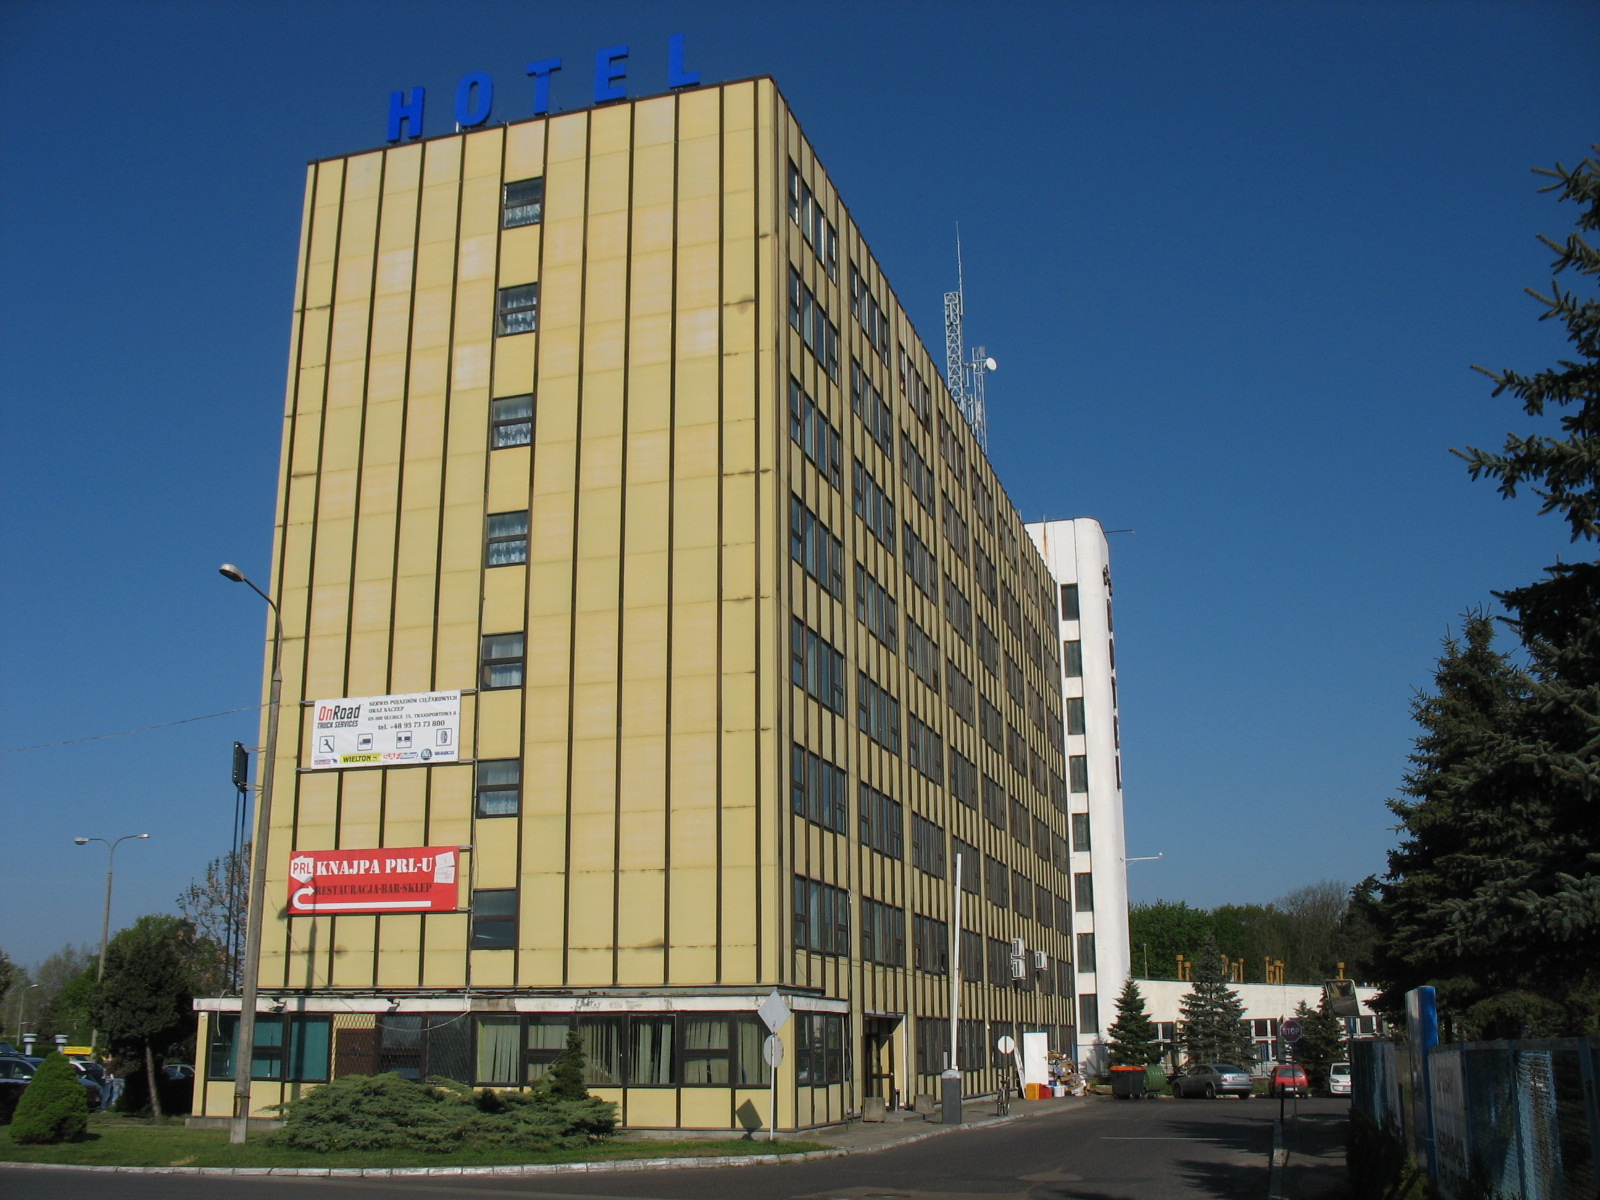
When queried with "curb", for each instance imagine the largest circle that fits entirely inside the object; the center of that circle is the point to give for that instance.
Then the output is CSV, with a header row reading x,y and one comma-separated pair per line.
x,y
576,1168
1280,1160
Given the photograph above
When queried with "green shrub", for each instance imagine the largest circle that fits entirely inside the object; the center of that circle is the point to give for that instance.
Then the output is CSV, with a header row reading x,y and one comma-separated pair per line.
x,y
385,1112
54,1106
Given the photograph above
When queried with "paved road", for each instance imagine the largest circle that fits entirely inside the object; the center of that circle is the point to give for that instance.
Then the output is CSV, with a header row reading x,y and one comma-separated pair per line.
x,y
1116,1150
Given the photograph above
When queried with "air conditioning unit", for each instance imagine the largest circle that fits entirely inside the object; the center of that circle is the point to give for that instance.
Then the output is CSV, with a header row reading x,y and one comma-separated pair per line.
x,y
1018,947
1041,961
1019,968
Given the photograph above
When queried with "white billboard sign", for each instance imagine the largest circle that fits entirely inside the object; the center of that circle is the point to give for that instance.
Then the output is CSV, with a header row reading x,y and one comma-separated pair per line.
x,y
385,731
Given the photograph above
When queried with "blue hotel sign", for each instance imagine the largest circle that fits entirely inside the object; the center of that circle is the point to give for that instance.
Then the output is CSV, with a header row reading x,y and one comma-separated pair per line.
x,y
475,92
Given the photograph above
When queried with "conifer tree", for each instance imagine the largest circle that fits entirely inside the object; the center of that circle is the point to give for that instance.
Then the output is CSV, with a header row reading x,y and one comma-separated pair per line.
x,y
1494,895
565,1078
1321,1041
1211,1017
1133,1033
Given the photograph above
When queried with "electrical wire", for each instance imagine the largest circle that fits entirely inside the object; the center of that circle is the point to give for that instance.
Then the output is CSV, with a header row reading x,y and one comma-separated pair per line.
x,y
99,737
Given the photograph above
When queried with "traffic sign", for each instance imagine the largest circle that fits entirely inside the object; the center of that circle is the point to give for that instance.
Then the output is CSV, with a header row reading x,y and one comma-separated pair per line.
x,y
1290,1030
774,1012
1006,1044
772,1050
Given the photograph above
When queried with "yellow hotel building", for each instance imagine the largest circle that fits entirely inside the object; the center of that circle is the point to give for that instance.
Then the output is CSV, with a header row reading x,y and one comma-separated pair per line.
x,y
611,421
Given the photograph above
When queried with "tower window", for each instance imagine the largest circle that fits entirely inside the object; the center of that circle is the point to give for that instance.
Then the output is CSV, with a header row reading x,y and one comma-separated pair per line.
x,y
506,539
513,421
517,309
503,656
499,787
524,203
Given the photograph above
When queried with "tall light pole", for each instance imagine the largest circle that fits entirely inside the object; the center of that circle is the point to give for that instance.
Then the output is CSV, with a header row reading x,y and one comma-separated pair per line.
x,y
22,1002
244,1043
105,919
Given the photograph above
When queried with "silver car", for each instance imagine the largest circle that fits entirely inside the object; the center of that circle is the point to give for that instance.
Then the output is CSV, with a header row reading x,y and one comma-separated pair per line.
x,y
1212,1080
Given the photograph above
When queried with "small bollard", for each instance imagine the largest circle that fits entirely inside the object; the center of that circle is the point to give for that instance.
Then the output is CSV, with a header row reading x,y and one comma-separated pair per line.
x,y
950,1089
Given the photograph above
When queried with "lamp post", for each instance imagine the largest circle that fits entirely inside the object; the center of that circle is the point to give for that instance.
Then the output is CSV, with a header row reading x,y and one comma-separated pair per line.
x,y
244,1043
22,1002
105,918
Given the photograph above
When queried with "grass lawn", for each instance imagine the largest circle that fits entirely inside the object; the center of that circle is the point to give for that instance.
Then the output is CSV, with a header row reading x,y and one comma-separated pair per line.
x,y
118,1141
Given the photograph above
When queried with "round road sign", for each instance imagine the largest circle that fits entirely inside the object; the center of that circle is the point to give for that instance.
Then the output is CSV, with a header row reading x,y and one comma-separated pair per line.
x,y
1290,1030
772,1050
1006,1045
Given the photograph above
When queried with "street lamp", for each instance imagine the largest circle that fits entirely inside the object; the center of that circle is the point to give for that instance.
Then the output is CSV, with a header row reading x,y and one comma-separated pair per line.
x,y
105,919
244,1043
22,1002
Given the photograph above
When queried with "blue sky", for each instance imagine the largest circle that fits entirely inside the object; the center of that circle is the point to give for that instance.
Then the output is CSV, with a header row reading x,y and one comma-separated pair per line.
x,y
1234,260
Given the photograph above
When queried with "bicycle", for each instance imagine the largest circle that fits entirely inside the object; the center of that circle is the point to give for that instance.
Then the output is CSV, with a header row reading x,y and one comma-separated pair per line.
x,y
1002,1098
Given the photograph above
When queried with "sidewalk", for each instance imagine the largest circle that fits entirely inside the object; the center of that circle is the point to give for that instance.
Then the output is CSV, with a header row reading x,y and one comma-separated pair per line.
x,y
1311,1163
902,1126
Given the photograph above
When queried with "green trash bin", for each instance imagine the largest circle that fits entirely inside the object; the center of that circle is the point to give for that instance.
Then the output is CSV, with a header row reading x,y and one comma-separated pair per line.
x,y
1127,1083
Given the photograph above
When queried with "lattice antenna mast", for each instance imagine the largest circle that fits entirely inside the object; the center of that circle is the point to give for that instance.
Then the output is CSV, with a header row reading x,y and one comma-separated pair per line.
x,y
954,352
965,378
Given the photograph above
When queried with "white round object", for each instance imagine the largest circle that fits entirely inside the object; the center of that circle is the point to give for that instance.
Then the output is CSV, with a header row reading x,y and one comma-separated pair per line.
x,y
1006,1044
772,1050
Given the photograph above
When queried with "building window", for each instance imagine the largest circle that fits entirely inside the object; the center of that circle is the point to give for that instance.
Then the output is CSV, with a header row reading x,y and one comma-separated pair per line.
x,y
822,1051
499,787
1080,831
288,1049
963,778
991,726
813,546
867,402
925,749
523,203
1021,894
882,822
1083,892
996,883
494,919
988,648
1085,953
922,654
877,713
963,697
1069,602
1072,662
513,421
813,433
931,940
972,972
883,933
927,846
999,964
506,539
1075,716
994,802
652,1057
503,655
723,1051
876,608
971,866
1078,773
1089,1014
817,667
958,609
921,564
821,917
873,506
517,309
819,790
916,473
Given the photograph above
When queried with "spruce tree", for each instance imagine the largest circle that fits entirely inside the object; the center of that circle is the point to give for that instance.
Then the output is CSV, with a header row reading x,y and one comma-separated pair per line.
x,y
1211,1017
565,1078
1133,1033
1321,1041
1494,895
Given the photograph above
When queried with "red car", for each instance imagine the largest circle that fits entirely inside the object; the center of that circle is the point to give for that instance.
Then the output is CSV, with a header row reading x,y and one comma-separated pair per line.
x,y
1288,1080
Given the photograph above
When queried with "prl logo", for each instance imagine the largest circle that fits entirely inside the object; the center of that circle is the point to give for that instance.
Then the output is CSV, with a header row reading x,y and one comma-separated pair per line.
x,y
475,93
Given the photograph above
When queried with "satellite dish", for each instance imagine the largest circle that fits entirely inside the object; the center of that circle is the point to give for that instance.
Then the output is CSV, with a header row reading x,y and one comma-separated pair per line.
x,y
989,364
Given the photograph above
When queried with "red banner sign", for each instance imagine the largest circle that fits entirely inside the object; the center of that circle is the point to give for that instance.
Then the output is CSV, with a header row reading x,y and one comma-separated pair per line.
x,y
408,879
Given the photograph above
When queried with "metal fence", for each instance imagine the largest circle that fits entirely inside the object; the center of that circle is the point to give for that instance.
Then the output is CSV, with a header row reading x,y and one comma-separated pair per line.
x,y
1495,1120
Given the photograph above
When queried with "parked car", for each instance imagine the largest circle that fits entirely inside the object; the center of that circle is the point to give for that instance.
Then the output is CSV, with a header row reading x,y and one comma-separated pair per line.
x,y
1286,1079
1339,1079
1212,1080
178,1071
16,1071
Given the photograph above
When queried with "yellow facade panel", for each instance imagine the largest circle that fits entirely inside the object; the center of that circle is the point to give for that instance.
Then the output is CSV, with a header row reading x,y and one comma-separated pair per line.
x,y
640,968
514,360
589,968
606,247
693,958
493,968
544,905
495,857
704,1108
477,255
354,957
652,1108
509,471
524,153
